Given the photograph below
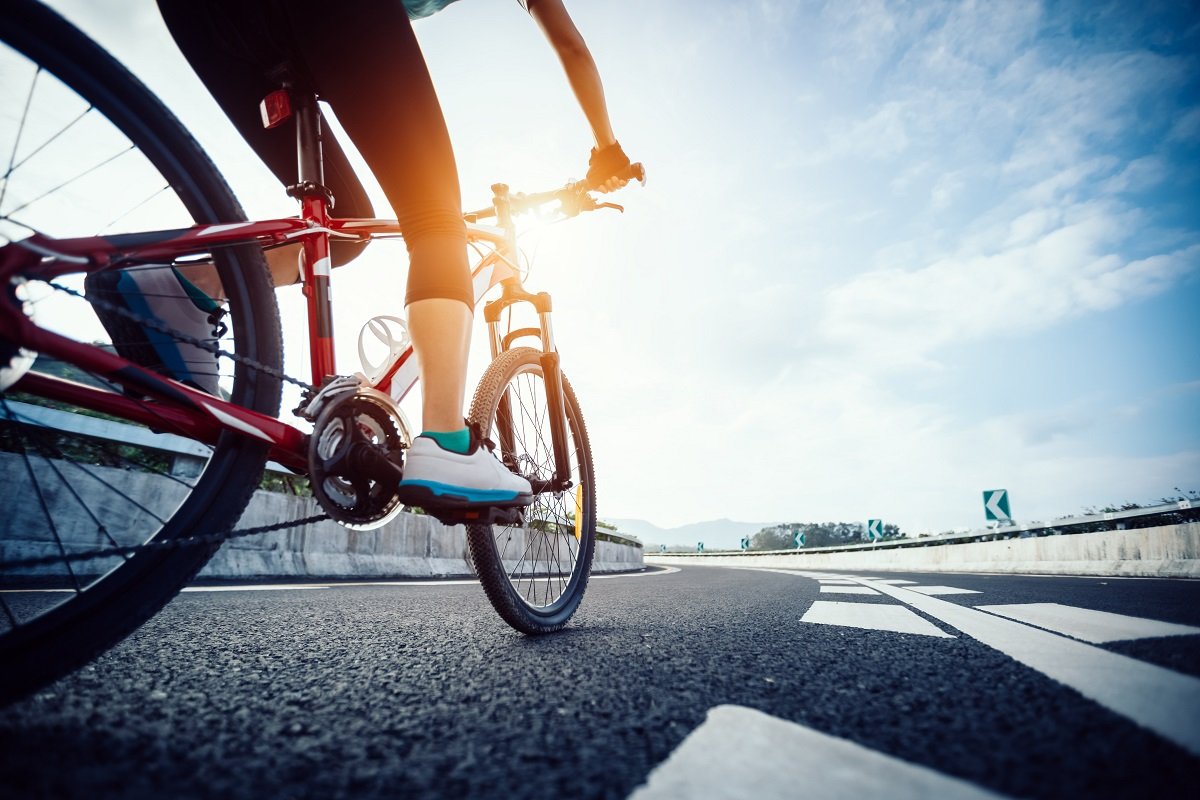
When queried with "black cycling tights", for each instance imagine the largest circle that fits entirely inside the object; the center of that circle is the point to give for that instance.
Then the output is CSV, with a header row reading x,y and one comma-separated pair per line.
x,y
361,57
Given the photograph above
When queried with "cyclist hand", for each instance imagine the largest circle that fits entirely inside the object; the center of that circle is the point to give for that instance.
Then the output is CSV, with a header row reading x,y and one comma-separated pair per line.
x,y
608,168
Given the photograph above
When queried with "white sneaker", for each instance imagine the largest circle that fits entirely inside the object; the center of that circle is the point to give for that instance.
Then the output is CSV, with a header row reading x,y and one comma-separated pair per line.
x,y
442,479
163,294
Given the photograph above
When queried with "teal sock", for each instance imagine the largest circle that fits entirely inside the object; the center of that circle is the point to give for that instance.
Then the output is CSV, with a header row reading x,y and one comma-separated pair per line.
x,y
454,441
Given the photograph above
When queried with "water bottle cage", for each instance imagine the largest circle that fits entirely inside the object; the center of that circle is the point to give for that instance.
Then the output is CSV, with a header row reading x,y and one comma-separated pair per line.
x,y
381,328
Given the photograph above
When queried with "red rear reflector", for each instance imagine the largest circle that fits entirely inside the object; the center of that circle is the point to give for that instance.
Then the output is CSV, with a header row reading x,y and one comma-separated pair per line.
x,y
276,108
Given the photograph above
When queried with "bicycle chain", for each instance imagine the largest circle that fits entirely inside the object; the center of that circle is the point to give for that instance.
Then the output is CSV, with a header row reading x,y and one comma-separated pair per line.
x,y
167,544
186,541
179,336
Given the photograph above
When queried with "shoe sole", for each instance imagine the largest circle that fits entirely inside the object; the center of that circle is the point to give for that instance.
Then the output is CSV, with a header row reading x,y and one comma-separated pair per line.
x,y
432,494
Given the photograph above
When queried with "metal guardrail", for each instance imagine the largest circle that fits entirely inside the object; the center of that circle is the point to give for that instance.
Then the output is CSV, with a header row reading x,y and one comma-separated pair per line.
x,y
605,535
1170,513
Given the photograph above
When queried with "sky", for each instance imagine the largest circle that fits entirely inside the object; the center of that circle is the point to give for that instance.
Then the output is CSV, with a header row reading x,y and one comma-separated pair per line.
x,y
889,254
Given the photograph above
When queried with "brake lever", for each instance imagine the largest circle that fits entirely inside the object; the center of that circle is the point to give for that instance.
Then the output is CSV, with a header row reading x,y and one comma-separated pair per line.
x,y
610,205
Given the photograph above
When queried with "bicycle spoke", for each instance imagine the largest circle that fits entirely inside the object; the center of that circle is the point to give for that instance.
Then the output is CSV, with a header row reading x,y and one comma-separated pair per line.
x,y
69,181
130,211
100,526
20,132
8,612
14,167
546,565
50,520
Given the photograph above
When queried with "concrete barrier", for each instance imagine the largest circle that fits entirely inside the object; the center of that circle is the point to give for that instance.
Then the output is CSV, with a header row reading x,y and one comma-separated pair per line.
x,y
411,545
1167,551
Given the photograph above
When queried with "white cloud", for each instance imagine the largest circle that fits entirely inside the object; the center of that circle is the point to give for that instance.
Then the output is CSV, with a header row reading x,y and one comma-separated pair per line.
x,y
1060,263
1139,175
845,204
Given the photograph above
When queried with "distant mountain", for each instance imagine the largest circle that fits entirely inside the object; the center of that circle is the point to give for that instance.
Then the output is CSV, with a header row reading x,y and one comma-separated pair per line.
x,y
717,534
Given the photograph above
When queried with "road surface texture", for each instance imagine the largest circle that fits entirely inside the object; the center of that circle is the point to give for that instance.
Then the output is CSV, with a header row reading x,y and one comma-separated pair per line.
x,y
700,682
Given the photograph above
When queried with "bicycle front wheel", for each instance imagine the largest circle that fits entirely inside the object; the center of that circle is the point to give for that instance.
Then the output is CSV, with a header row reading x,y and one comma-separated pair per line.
x,y
535,573
91,152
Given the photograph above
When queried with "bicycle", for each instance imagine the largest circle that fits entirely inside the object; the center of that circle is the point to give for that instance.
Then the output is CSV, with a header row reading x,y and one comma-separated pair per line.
x,y
120,528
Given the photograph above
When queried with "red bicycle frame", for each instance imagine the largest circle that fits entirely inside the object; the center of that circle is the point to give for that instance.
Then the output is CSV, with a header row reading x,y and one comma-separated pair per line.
x,y
172,406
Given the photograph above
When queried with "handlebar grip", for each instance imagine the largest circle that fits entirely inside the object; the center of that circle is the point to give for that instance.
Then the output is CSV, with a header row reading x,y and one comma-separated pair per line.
x,y
634,172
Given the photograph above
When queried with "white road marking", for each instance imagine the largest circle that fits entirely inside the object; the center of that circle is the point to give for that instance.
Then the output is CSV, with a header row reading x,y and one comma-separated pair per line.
x,y
942,590
1164,701
739,753
268,587
1096,627
401,582
279,587
651,573
871,616
895,582
847,590
836,582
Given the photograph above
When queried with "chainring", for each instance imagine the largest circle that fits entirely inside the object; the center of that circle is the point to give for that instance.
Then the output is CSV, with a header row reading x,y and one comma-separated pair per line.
x,y
355,454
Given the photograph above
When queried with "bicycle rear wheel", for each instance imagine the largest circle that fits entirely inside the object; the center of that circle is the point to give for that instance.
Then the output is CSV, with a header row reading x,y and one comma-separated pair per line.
x,y
91,152
534,573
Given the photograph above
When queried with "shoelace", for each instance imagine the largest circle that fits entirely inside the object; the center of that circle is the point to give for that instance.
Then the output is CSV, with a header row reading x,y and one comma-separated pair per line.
x,y
477,437
219,328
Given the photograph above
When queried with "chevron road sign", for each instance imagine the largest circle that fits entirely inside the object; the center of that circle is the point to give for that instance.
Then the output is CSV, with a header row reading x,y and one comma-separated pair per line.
x,y
798,539
662,548
874,530
745,542
995,505
699,547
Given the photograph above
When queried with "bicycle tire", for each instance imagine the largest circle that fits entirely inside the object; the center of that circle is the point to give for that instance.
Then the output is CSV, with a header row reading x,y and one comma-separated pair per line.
x,y
541,598
42,641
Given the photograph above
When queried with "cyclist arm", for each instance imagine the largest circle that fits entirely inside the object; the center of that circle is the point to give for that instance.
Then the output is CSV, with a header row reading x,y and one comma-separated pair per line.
x,y
559,29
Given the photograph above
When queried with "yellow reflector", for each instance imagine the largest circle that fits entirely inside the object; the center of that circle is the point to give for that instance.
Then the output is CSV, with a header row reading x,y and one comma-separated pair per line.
x,y
579,513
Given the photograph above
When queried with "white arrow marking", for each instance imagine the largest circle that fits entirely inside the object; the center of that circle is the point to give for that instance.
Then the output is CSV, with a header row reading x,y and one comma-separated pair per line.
x,y
739,753
1164,701
993,504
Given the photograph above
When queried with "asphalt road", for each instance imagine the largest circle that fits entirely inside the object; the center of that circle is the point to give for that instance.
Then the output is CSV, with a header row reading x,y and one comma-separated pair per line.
x,y
422,691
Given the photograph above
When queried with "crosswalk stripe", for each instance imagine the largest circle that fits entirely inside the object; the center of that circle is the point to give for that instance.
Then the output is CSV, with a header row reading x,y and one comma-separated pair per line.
x,y
895,582
1157,698
871,616
739,752
847,590
1096,627
933,590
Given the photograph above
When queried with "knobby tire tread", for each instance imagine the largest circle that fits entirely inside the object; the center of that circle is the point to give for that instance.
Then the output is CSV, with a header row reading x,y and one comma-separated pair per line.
x,y
489,565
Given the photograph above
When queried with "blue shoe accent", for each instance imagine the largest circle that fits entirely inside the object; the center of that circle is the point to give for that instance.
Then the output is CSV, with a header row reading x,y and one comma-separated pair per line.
x,y
470,495
164,346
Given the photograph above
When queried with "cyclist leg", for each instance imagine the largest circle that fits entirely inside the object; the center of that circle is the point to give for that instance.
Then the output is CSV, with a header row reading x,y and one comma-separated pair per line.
x,y
375,78
239,55
241,50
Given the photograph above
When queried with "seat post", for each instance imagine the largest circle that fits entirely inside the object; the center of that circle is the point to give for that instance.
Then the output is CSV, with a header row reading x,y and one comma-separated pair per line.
x,y
310,164
316,201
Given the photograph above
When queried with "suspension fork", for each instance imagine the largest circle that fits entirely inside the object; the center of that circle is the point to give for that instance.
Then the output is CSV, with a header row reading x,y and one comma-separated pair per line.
x,y
513,292
551,375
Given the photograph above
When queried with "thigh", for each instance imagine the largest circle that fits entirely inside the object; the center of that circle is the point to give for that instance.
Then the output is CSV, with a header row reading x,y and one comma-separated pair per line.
x,y
240,51
365,61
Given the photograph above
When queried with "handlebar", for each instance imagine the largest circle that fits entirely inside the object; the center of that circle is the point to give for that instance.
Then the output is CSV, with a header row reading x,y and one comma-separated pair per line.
x,y
574,197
